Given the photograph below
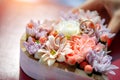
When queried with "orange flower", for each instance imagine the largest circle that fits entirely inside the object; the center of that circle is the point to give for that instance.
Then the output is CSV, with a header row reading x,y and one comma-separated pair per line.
x,y
88,69
81,45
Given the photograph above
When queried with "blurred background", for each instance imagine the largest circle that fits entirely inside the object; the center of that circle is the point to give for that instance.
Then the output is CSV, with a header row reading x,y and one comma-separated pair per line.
x,y
14,15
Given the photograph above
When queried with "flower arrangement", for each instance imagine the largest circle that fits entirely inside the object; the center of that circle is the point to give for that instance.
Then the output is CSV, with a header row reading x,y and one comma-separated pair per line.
x,y
77,38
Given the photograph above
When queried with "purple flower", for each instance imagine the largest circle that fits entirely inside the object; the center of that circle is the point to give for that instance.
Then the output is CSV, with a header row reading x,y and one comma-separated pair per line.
x,y
32,28
82,15
89,15
36,29
104,30
101,62
41,33
31,46
69,16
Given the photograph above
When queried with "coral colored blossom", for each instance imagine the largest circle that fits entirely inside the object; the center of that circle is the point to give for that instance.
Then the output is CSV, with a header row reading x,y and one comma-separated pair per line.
x,y
81,45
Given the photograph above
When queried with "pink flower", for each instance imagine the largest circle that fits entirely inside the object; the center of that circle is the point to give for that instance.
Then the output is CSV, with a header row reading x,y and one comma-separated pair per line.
x,y
32,28
81,46
99,47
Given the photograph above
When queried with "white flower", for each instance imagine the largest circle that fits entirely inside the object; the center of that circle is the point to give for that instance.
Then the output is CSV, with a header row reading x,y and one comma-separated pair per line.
x,y
56,49
68,28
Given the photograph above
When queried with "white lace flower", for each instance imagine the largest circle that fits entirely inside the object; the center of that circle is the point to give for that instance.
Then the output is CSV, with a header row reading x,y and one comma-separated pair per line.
x,y
56,49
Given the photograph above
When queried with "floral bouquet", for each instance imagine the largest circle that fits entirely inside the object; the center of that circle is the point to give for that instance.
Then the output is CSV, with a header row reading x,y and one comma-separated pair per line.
x,y
77,41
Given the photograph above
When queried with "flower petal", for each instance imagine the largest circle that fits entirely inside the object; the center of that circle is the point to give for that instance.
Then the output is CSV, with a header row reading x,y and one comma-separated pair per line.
x,y
39,53
50,62
113,67
112,72
44,58
61,58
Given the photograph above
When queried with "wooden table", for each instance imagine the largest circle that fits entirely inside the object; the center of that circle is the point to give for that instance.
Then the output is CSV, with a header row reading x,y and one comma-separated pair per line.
x,y
13,18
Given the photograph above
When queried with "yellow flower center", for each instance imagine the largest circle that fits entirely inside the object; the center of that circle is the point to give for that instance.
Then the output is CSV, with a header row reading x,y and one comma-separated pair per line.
x,y
53,52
